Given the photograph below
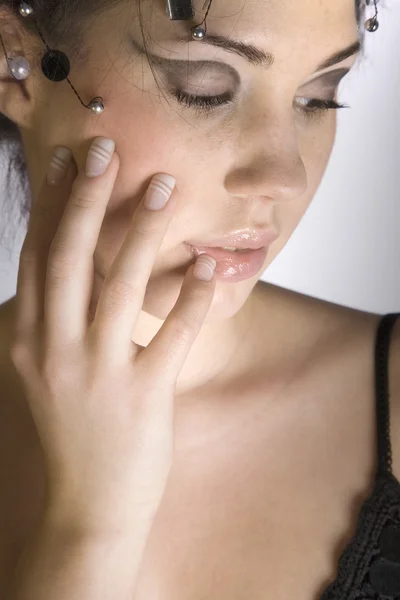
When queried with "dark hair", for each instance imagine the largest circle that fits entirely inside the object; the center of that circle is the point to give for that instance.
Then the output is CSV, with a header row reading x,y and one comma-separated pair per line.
x,y
63,24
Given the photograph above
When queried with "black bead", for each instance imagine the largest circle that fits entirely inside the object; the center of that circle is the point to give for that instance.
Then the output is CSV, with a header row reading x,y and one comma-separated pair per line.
x,y
56,65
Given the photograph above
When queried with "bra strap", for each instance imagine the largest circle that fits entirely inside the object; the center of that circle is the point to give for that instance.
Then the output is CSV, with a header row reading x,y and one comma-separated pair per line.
x,y
382,346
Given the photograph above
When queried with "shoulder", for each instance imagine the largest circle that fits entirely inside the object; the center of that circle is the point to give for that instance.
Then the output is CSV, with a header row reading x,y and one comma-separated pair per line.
x,y
364,345
340,344
317,324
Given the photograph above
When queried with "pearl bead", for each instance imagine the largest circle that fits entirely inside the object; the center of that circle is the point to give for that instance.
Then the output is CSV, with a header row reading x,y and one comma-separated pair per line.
x,y
19,67
198,33
96,105
25,10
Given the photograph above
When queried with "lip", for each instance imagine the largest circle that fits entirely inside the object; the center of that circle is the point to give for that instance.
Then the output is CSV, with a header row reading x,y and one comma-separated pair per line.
x,y
252,239
232,266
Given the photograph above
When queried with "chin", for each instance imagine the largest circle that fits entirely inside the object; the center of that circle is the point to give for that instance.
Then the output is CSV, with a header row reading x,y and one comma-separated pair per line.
x,y
163,291
165,283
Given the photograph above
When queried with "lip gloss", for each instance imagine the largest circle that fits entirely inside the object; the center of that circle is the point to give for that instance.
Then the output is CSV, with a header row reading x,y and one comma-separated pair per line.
x,y
233,266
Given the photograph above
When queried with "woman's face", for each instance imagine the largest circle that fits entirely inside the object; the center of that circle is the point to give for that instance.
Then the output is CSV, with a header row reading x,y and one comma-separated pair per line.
x,y
253,163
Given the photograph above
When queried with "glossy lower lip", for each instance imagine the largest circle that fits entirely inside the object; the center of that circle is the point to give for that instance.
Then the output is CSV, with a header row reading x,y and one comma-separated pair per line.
x,y
233,266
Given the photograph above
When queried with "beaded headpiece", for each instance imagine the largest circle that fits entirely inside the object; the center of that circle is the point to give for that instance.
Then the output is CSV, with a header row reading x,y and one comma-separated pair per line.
x,y
56,66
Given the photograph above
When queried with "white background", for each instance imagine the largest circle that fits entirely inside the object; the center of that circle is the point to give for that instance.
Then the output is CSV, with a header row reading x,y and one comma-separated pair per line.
x,y
347,247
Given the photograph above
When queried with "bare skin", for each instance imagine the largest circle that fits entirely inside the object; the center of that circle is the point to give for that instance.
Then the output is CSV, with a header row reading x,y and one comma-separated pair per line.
x,y
269,474
254,164
274,451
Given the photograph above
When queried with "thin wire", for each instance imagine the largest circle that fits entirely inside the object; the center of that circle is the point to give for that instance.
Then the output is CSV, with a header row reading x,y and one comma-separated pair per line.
x,y
5,51
49,50
208,10
62,68
368,2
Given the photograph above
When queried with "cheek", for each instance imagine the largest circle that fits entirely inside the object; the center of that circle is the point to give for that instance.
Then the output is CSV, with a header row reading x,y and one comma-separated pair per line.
x,y
315,150
322,145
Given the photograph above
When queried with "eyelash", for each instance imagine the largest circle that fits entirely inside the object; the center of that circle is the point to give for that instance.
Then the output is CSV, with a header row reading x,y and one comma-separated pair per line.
x,y
210,103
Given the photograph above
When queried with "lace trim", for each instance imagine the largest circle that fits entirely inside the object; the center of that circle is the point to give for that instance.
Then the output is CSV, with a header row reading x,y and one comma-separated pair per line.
x,y
352,581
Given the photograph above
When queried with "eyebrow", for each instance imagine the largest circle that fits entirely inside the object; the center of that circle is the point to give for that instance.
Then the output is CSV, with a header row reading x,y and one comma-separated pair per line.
x,y
259,58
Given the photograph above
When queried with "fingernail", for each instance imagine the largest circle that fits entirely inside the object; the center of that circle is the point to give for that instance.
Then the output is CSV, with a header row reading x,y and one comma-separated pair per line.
x,y
99,156
204,267
58,166
159,191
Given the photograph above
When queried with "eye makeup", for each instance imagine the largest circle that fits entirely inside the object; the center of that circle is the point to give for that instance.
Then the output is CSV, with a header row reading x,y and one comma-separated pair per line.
x,y
185,68
219,83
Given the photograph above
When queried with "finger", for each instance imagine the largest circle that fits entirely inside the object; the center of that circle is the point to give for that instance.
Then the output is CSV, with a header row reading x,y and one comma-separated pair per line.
x,y
44,219
169,348
69,277
124,288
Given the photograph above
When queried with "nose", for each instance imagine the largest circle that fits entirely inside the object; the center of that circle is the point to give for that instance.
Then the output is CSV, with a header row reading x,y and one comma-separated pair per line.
x,y
267,161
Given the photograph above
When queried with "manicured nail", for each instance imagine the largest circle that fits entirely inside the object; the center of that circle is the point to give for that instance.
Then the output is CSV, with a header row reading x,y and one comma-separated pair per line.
x,y
99,156
159,191
59,164
204,267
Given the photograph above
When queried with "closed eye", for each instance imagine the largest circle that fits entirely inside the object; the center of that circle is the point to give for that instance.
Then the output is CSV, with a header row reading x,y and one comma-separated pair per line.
x,y
311,108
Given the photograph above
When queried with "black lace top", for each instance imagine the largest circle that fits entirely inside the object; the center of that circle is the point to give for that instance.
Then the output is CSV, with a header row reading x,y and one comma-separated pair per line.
x,y
369,567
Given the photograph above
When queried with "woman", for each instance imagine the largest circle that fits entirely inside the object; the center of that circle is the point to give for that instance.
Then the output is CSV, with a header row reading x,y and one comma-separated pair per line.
x,y
169,432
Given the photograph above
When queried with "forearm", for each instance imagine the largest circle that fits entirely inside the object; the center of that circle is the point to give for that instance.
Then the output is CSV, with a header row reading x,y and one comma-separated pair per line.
x,y
58,564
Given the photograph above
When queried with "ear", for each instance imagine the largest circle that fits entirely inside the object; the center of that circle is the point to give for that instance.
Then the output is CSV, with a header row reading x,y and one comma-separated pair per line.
x,y
16,96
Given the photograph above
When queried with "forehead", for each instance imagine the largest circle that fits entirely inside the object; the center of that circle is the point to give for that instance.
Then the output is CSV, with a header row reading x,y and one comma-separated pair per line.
x,y
268,19
268,23
294,31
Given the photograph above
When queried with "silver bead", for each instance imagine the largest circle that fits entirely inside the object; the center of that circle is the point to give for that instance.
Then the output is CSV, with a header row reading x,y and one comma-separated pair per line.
x,y
19,67
372,24
198,33
25,9
96,105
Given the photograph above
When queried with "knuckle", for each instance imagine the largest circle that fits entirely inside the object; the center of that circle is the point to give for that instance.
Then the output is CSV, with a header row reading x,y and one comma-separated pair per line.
x,y
181,338
197,295
60,367
188,319
82,198
185,324
19,352
140,229
30,248
193,301
119,292
28,255
60,265
53,370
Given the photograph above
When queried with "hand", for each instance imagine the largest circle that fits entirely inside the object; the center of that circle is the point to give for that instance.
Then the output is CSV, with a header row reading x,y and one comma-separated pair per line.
x,y
103,406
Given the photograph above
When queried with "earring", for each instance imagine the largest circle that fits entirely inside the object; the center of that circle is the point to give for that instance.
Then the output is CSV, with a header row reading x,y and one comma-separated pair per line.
x,y
372,24
55,64
19,67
